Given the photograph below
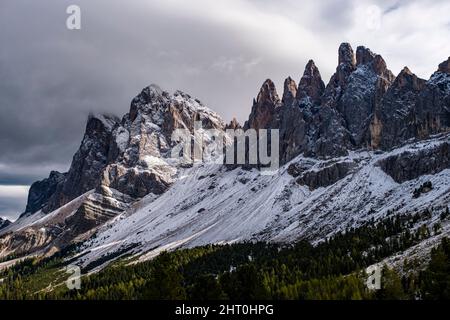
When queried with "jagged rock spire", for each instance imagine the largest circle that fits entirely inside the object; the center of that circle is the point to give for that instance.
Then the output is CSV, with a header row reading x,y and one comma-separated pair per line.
x,y
347,64
290,91
364,55
311,84
268,93
264,107
346,54
234,124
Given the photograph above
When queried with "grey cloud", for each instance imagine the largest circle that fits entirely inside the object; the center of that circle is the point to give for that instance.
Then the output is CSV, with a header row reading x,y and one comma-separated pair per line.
x,y
12,201
11,208
51,78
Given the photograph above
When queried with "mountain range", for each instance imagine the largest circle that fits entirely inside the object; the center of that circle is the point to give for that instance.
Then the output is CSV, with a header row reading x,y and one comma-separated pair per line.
x,y
360,148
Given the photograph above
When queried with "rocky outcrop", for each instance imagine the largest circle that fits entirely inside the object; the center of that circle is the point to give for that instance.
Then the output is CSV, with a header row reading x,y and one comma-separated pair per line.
x,y
414,108
138,182
339,80
88,162
41,191
24,242
322,131
84,173
95,210
340,116
326,176
411,165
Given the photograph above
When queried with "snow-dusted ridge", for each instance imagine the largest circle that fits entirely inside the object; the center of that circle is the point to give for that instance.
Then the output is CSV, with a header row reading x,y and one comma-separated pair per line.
x,y
349,150
213,204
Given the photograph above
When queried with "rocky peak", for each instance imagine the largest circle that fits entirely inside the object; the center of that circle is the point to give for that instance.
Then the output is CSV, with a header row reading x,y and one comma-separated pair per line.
x,y
87,163
234,124
364,55
408,80
398,115
264,107
346,54
311,84
41,191
445,66
119,162
380,68
149,96
141,167
101,122
347,64
290,91
268,93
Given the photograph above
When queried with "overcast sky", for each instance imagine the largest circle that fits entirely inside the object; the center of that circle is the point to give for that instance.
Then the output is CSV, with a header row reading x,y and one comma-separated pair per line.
x,y
219,51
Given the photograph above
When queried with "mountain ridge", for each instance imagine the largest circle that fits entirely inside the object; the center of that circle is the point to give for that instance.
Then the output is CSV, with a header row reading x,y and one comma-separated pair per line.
x,y
331,137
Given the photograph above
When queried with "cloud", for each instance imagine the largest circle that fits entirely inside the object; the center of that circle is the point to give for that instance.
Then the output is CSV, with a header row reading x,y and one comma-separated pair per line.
x,y
237,65
12,201
218,51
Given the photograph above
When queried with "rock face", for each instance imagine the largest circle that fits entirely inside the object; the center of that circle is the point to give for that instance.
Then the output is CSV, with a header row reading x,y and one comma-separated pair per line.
x,y
264,109
290,91
410,165
433,104
118,163
363,106
143,140
397,115
364,87
311,85
24,242
125,155
88,162
324,176
41,191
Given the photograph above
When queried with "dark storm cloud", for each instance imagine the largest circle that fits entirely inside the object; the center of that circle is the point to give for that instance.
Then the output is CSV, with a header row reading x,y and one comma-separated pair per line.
x,y
51,78
218,51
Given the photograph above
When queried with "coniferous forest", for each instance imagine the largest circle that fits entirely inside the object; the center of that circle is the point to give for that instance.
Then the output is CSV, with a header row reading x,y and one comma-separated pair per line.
x,y
331,270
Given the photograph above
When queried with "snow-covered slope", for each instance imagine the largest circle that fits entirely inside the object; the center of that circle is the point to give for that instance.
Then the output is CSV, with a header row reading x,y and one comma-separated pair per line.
x,y
213,204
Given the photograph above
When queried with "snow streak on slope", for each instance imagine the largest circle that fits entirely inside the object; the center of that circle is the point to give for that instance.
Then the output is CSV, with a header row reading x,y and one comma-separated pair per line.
x,y
214,204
